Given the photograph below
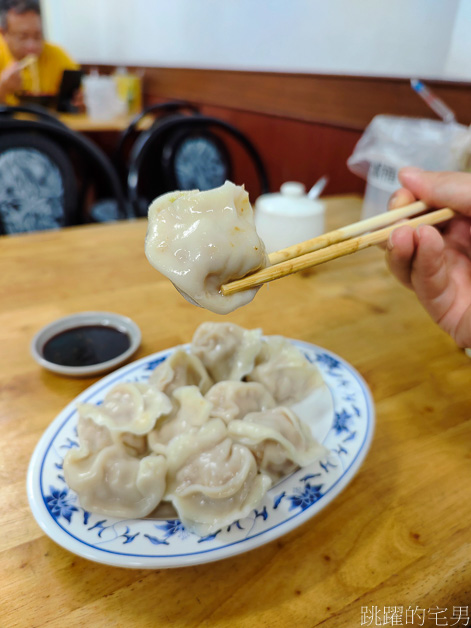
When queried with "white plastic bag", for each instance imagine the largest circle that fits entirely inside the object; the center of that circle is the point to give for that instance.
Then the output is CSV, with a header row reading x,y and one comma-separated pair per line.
x,y
101,97
391,142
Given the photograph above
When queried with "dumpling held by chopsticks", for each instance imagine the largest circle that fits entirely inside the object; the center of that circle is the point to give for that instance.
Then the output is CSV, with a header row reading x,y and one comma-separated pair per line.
x,y
202,240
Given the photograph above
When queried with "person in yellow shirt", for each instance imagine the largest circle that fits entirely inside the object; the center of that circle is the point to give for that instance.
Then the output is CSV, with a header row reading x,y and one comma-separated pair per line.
x,y
28,64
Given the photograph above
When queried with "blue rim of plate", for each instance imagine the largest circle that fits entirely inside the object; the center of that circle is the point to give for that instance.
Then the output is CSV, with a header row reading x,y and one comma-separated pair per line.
x,y
162,543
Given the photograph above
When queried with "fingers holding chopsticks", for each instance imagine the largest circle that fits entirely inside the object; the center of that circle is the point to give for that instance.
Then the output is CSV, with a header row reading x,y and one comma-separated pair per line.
x,y
435,189
416,258
429,272
348,240
333,251
400,198
400,245
434,272
438,189
436,262
400,249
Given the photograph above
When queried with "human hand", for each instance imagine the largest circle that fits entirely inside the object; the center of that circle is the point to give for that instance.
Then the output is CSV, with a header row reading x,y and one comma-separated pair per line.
x,y
10,79
436,262
78,100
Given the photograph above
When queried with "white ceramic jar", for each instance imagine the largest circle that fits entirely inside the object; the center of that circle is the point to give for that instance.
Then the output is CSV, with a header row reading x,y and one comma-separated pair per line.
x,y
288,217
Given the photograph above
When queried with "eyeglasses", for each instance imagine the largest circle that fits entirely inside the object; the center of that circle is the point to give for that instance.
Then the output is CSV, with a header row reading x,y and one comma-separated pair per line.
x,y
25,38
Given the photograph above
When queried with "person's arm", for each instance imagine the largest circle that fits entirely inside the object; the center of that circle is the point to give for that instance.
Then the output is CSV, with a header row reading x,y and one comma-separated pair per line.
x,y
436,262
10,81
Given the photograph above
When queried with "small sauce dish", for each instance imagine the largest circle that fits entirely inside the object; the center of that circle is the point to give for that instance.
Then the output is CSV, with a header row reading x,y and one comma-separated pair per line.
x,y
86,344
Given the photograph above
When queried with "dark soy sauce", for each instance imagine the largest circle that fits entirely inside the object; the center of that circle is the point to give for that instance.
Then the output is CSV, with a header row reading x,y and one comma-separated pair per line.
x,y
86,345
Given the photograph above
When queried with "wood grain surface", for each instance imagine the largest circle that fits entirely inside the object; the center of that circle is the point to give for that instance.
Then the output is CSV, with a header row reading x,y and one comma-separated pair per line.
x,y
348,101
85,124
399,534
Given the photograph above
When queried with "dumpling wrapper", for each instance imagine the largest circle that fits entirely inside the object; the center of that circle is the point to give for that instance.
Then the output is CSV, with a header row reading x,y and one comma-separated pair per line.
x,y
227,350
202,240
284,371
207,503
114,483
180,369
233,400
278,439
94,437
108,478
212,481
128,407
192,411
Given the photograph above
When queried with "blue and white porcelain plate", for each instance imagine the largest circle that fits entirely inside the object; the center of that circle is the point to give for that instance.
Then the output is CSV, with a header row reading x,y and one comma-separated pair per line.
x,y
341,416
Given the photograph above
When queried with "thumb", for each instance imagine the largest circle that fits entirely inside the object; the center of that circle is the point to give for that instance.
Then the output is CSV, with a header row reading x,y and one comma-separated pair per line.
x,y
439,189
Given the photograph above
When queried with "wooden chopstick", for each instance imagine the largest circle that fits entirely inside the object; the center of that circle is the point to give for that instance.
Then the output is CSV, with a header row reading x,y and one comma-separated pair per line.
x,y
329,253
355,229
26,61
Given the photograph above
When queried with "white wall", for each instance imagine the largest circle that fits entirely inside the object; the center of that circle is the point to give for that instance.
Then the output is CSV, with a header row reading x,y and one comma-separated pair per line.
x,y
403,38
458,63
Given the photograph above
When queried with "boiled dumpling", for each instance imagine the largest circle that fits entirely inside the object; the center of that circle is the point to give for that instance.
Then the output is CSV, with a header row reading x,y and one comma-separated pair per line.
x,y
208,504
96,437
227,351
92,437
192,411
180,369
233,400
135,445
184,446
284,371
197,434
201,240
108,479
212,480
116,484
278,439
132,408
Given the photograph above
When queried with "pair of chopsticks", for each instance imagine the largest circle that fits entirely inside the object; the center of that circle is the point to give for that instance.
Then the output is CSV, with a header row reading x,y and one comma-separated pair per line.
x,y
337,243
31,61
26,61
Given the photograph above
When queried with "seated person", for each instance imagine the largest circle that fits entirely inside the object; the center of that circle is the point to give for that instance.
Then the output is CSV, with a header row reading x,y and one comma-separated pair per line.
x,y
28,64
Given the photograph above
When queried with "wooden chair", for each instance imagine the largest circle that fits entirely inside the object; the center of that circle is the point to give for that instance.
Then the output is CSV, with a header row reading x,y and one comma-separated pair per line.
x,y
47,173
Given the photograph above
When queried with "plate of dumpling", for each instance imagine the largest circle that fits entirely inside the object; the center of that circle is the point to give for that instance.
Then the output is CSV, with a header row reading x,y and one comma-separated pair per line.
x,y
202,451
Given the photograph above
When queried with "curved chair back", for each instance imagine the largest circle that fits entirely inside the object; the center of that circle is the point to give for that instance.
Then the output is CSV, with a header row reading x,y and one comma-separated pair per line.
x,y
184,152
130,134
34,111
37,184
56,154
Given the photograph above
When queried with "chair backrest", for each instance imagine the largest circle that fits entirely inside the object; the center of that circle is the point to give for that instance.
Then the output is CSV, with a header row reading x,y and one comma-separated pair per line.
x,y
35,112
182,151
130,134
37,184
45,168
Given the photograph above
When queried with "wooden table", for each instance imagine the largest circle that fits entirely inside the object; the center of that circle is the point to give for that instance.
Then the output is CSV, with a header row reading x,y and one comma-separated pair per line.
x,y
83,123
399,535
